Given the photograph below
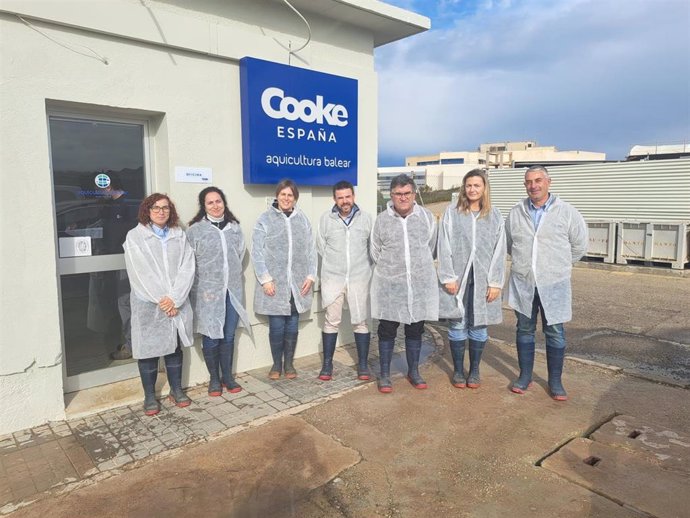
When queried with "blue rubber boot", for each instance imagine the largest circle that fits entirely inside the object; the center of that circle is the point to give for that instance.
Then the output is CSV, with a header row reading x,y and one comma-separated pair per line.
x,y
329,340
212,359
173,367
277,346
362,341
413,349
385,356
554,364
525,353
457,351
148,371
289,355
227,353
476,350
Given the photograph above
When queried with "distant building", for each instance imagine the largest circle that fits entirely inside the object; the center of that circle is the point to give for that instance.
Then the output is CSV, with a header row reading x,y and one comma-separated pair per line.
x,y
659,152
386,174
445,170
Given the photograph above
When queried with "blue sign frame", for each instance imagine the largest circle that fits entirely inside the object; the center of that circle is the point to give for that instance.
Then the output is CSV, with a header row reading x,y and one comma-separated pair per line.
x,y
298,124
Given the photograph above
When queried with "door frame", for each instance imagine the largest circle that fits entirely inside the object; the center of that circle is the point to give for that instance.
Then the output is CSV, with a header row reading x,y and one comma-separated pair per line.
x,y
75,265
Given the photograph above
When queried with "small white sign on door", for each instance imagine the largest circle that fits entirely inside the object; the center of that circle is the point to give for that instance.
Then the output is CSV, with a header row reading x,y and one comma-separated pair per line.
x,y
193,174
75,246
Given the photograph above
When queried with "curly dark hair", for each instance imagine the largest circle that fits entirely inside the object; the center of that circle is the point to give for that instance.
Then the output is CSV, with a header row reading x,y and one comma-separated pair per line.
x,y
229,216
145,218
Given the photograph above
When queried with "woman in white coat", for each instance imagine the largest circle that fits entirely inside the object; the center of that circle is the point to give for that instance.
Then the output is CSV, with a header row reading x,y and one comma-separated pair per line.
x,y
218,291
160,266
284,258
471,271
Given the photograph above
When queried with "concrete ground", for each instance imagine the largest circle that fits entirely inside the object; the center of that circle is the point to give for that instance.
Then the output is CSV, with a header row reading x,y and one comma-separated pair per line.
x,y
619,447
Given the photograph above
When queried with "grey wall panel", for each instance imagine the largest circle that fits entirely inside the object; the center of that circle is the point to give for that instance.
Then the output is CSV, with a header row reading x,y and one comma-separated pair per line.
x,y
654,190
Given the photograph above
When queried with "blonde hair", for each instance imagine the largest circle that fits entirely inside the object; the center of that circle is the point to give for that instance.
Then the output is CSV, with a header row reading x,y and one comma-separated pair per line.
x,y
485,202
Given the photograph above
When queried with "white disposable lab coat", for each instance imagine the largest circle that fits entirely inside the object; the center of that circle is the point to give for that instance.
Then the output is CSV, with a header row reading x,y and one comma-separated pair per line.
x,y
218,255
469,242
543,258
345,261
158,268
404,287
283,252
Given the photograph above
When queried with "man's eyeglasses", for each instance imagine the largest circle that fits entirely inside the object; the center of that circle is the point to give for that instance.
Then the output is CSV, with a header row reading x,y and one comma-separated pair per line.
x,y
405,194
157,210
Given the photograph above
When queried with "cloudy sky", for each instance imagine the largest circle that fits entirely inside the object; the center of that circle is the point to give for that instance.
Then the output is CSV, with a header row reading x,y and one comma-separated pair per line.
x,y
595,75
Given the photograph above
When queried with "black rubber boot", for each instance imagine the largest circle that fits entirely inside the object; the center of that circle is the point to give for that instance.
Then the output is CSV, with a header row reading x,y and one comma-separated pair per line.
x,y
277,347
329,340
212,359
413,348
525,353
476,350
227,352
554,364
457,351
173,366
148,372
385,356
362,341
289,355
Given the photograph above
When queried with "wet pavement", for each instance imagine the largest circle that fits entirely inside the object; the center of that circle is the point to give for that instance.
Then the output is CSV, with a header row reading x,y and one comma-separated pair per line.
x,y
620,447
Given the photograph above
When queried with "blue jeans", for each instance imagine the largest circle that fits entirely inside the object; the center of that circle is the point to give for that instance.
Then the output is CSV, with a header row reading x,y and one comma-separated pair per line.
x,y
283,325
527,327
232,318
460,329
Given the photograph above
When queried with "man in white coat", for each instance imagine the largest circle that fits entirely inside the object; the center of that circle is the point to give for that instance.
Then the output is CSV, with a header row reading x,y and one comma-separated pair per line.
x,y
404,286
342,241
545,237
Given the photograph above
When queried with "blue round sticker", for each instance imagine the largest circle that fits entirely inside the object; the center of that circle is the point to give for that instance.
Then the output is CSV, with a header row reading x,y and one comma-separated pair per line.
x,y
102,181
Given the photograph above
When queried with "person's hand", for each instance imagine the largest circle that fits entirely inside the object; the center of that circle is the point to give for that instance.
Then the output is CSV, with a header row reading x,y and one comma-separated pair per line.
x,y
269,288
492,294
452,287
166,304
306,286
172,313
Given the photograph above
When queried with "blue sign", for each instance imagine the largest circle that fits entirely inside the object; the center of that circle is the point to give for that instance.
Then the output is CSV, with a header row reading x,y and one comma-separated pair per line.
x,y
297,124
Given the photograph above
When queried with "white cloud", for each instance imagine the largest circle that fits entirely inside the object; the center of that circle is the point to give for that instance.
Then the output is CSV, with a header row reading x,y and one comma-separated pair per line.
x,y
598,75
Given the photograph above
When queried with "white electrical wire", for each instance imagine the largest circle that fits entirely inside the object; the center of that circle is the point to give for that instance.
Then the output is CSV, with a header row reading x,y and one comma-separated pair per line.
x,y
305,22
95,55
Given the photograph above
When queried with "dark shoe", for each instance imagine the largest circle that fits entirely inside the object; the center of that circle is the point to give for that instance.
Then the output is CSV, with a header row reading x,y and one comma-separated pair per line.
x,y
457,351
525,353
362,341
277,347
227,353
289,355
122,353
385,355
554,364
329,340
151,405
212,359
179,398
413,349
148,372
476,350
173,367
232,387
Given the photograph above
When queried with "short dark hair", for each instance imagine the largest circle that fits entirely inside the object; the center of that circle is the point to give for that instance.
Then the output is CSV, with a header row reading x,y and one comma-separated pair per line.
x,y
145,218
401,181
288,183
343,184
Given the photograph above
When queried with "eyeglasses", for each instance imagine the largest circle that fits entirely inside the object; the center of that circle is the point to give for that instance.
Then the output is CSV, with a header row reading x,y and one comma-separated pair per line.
x,y
157,210
406,194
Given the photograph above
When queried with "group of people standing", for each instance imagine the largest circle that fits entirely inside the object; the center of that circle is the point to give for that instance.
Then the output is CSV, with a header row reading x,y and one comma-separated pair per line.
x,y
382,268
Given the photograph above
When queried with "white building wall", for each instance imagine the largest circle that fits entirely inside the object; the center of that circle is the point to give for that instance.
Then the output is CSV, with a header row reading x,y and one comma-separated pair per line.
x,y
179,70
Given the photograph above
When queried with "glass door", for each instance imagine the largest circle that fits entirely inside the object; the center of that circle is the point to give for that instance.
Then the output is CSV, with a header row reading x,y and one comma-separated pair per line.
x,y
99,180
